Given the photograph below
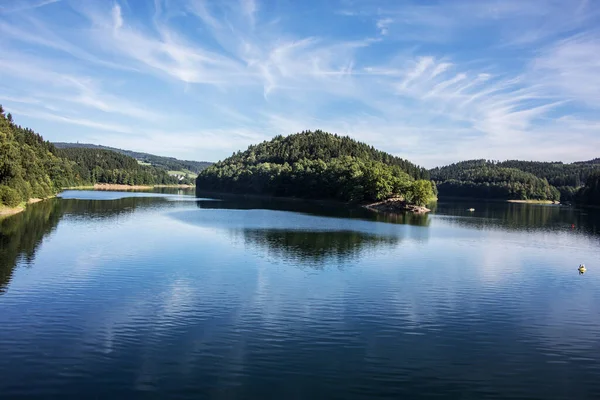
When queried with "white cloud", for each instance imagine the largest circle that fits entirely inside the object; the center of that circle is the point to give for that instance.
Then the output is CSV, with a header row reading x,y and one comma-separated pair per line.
x,y
228,76
383,25
571,67
24,5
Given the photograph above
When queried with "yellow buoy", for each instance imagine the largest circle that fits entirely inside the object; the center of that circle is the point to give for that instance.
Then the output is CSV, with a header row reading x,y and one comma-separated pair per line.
x,y
581,269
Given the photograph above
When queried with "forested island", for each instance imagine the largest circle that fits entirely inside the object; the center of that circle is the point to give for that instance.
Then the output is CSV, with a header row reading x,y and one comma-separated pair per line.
x,y
319,165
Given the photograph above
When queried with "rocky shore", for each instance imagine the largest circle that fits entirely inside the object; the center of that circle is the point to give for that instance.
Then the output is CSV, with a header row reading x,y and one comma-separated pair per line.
x,y
396,205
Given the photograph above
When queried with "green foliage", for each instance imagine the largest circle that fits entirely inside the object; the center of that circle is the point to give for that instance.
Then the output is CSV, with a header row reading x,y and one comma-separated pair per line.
x,y
167,163
590,193
313,165
422,192
566,178
105,166
9,196
490,180
29,166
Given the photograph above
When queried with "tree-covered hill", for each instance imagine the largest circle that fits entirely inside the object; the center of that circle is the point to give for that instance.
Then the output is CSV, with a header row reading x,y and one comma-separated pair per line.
x,y
166,163
318,165
590,193
489,180
568,179
29,165
105,166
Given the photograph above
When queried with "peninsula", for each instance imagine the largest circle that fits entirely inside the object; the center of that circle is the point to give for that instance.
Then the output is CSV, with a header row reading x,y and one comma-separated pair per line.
x,y
324,166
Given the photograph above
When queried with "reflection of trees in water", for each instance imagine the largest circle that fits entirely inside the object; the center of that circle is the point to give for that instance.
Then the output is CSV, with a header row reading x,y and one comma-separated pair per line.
x,y
315,248
101,209
522,217
21,235
318,208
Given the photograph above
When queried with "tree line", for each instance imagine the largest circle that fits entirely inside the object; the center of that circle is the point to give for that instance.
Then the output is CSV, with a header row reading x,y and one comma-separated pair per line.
x,y
31,167
590,193
522,180
491,180
318,165
105,166
166,163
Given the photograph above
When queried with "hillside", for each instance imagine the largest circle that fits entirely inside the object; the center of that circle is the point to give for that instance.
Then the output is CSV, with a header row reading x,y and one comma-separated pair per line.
x,y
488,180
568,179
166,163
29,165
318,165
105,166
590,194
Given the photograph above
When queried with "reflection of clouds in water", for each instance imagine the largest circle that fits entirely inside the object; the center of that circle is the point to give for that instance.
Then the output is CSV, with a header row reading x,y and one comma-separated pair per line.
x,y
214,299
555,318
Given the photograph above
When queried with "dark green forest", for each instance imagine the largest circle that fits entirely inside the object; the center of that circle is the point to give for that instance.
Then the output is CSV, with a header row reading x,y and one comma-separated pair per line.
x,y
567,178
29,165
167,163
590,193
318,165
105,166
519,180
310,164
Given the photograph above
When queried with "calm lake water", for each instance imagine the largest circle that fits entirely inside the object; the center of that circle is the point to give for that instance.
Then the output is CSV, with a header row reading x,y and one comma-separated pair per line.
x,y
126,295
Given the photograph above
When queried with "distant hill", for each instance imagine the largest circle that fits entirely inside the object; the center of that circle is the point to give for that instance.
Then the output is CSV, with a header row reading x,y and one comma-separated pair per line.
x,y
107,166
167,163
318,165
468,178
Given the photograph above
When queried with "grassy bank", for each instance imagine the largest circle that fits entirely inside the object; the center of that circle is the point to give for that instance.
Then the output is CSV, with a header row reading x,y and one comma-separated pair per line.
x,y
533,201
467,199
8,211
111,186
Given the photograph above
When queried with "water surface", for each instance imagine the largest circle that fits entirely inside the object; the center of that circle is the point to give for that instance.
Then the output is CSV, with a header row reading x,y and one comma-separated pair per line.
x,y
126,295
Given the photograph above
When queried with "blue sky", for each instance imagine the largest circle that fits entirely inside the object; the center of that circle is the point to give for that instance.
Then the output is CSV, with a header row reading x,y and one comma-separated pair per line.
x,y
432,81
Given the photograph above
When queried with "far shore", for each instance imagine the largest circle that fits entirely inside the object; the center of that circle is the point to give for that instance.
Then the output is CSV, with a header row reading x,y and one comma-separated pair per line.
x,y
114,186
8,211
455,198
533,201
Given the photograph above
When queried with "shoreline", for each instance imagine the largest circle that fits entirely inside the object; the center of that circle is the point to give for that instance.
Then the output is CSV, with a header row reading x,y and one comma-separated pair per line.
x,y
120,187
396,205
392,205
533,201
10,211
456,198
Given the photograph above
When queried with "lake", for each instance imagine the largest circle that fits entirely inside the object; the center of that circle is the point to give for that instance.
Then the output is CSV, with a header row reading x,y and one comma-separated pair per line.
x,y
126,295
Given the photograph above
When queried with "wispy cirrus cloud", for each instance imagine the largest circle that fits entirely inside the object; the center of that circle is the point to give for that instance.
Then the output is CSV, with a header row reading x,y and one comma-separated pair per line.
x,y
434,83
24,5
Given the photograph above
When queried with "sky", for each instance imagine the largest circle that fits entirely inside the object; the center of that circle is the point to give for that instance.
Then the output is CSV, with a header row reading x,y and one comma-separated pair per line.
x,y
435,82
